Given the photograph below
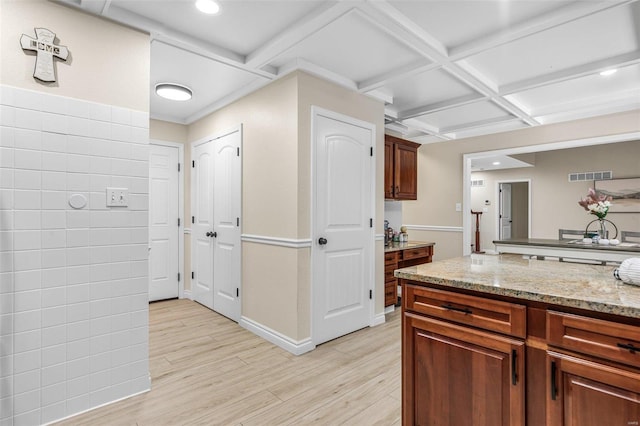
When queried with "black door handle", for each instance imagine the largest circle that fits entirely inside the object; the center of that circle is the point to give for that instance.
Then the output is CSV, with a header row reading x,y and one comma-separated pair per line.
x,y
322,241
212,234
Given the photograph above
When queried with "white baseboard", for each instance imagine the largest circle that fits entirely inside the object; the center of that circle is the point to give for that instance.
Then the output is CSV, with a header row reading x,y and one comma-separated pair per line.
x,y
278,339
378,319
389,309
187,295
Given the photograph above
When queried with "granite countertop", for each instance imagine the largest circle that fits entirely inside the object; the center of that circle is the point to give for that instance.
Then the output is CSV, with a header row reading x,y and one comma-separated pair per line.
x,y
573,244
395,246
583,286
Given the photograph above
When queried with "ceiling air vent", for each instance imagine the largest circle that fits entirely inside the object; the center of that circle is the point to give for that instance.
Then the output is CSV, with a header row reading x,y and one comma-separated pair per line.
x,y
477,183
582,176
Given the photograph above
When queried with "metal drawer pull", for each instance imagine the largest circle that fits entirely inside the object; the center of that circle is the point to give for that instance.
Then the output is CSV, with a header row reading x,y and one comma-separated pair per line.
x,y
450,307
514,365
554,387
629,347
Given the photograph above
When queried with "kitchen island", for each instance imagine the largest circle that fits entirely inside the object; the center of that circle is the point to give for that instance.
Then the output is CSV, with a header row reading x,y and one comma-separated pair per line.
x,y
502,340
568,249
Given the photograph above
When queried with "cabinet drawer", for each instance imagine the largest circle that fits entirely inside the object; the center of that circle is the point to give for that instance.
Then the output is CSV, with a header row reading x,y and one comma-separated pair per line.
x,y
416,252
388,276
605,339
391,259
494,315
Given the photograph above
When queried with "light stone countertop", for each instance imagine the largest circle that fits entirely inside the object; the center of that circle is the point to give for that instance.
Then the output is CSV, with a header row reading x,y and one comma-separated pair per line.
x,y
583,286
396,246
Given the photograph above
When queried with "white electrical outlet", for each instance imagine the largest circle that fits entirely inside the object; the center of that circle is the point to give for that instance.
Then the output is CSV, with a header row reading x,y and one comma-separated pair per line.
x,y
117,197
458,207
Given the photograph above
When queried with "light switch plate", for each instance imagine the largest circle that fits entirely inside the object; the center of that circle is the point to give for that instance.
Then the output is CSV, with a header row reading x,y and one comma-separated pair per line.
x,y
117,197
458,207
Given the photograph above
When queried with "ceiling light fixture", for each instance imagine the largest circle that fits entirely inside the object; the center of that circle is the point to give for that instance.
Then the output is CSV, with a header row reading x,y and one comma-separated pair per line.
x,y
608,72
173,91
496,163
209,7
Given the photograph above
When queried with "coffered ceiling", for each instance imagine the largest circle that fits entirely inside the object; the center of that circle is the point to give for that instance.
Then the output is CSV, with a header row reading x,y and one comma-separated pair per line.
x,y
445,69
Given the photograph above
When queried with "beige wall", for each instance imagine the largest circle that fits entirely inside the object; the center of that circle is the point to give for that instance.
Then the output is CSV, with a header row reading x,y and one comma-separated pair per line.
x,y
554,200
93,44
440,171
276,187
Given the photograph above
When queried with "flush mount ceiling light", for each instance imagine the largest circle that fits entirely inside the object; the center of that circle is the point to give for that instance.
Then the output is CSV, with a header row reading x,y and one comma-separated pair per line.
x,y
608,72
209,7
173,91
496,163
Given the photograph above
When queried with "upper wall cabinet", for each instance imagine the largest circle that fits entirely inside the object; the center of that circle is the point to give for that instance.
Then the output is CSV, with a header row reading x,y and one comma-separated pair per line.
x,y
400,169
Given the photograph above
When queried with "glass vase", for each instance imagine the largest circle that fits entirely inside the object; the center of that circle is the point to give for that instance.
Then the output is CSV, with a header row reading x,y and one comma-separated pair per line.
x,y
602,229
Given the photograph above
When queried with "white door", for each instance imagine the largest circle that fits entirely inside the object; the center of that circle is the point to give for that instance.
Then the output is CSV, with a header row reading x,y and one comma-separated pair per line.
x,y
226,219
343,237
202,223
164,227
505,211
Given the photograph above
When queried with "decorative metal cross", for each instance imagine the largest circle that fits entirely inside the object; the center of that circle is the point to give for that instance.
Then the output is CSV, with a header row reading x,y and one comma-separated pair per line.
x,y
45,50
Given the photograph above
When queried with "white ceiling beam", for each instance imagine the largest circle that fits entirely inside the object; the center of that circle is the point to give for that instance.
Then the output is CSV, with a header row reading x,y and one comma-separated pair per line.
x,y
396,74
619,61
440,106
311,68
316,20
477,124
533,26
380,95
421,125
93,6
105,8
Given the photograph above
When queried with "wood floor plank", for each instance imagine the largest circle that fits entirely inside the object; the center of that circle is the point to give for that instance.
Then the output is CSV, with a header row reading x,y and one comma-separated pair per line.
x,y
206,369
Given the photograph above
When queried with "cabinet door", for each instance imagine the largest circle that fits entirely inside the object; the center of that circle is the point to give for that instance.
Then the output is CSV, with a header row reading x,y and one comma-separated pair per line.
x,y
388,169
581,392
406,172
455,375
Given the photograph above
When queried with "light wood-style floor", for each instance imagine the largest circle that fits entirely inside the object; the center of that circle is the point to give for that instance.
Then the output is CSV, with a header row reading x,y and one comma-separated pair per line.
x,y
205,369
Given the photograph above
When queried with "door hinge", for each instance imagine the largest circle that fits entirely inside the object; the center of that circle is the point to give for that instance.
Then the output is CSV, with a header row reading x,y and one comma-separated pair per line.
x,y
193,219
371,223
178,276
193,275
178,166
193,163
238,152
370,294
237,221
371,152
237,292
178,222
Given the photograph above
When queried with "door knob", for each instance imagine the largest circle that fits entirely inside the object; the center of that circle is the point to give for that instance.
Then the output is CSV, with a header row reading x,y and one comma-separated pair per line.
x,y
322,241
212,234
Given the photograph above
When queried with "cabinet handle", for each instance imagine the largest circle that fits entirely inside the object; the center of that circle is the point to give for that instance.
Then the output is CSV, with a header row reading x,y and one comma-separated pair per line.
x,y
629,347
450,307
514,365
554,387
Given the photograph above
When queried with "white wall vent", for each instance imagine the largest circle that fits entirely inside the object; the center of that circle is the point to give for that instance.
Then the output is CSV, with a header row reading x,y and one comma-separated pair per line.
x,y
477,183
582,176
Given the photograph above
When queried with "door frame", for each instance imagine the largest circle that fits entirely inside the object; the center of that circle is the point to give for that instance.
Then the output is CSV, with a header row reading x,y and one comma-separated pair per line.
x,y
497,195
181,228
211,138
316,112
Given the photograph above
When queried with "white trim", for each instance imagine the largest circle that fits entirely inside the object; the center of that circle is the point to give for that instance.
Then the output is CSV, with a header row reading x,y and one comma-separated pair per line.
x,y
181,229
317,111
277,241
379,237
466,172
435,228
187,295
296,347
389,309
379,319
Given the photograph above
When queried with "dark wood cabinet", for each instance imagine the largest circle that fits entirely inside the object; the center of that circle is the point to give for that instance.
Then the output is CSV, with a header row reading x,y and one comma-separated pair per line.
x,y
456,368
400,169
401,259
598,382
471,358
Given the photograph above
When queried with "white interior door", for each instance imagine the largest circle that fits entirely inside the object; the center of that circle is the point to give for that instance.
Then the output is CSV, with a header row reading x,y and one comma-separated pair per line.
x,y
226,216
343,239
505,211
202,226
163,222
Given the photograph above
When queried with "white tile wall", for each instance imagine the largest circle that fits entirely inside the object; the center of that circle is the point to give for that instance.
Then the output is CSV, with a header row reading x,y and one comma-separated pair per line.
x,y
73,283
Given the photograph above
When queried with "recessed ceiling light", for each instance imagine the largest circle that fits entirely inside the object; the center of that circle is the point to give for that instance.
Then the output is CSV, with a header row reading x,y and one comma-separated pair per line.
x,y
209,7
496,163
173,91
608,72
